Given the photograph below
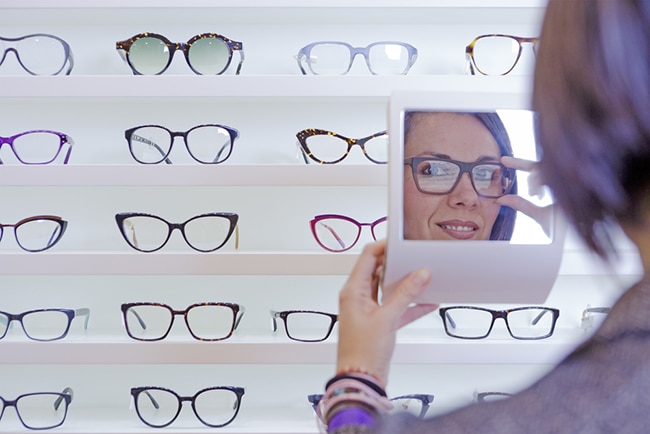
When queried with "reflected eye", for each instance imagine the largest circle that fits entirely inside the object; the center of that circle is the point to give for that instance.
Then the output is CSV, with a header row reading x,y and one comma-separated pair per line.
x,y
434,168
486,173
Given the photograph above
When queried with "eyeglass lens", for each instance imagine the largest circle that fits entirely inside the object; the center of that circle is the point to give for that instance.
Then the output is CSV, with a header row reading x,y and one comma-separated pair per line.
x,y
38,54
476,323
208,144
441,176
36,147
329,148
38,233
417,405
305,326
214,407
41,410
497,54
335,58
148,233
149,322
340,233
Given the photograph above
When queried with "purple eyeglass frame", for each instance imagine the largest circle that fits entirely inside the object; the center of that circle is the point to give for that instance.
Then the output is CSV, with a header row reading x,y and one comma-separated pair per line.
x,y
63,139
313,222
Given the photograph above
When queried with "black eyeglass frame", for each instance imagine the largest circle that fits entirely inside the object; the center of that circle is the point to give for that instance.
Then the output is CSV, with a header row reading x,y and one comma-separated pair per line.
x,y
124,48
448,321
237,310
136,391
233,218
303,135
283,315
465,167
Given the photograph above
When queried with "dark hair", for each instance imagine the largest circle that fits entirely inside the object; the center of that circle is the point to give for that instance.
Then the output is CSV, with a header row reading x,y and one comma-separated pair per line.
x,y
591,95
505,222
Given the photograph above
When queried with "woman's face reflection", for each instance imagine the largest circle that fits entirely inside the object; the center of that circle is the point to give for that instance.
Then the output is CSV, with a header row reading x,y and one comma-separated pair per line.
x,y
461,214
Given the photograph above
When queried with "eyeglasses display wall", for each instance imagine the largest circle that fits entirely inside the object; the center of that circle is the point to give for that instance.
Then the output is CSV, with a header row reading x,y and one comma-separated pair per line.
x,y
243,136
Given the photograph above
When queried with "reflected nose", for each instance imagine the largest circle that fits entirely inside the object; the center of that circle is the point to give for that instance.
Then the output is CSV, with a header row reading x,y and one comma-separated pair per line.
x,y
463,194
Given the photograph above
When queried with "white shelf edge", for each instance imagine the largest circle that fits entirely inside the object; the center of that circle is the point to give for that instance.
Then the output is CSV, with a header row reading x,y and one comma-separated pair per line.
x,y
193,175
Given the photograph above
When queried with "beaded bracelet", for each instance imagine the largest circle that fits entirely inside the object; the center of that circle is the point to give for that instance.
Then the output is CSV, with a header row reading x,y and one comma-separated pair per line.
x,y
365,379
361,372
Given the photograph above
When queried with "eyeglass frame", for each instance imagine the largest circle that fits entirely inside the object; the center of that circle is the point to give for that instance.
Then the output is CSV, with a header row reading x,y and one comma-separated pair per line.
x,y
63,139
135,391
285,313
237,310
304,54
587,317
425,399
70,314
303,135
63,224
69,58
469,50
65,396
503,314
465,167
313,222
124,46
128,135
479,397
232,217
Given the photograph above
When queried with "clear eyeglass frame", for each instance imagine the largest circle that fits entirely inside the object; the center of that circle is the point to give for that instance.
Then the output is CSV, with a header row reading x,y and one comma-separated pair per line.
x,y
587,316
125,49
347,143
19,142
52,319
43,400
329,319
474,170
324,231
402,403
471,51
161,151
128,231
308,62
195,400
14,45
131,309
539,312
46,240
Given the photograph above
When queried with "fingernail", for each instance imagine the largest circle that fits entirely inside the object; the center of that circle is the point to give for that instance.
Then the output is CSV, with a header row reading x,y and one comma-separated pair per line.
x,y
421,276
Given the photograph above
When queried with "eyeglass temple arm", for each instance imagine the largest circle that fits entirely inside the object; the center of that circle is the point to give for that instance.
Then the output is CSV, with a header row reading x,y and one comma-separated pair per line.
x,y
139,318
132,228
239,316
70,142
152,399
539,317
586,320
223,148
237,238
241,61
302,152
146,141
274,322
66,391
334,234
54,235
84,311
70,62
470,64
452,323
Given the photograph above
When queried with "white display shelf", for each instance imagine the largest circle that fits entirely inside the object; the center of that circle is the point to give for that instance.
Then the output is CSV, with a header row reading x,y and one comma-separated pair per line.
x,y
251,86
413,347
193,175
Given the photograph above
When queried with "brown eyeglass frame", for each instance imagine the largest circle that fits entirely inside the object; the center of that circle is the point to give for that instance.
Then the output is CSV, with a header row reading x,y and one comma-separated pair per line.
x,y
469,50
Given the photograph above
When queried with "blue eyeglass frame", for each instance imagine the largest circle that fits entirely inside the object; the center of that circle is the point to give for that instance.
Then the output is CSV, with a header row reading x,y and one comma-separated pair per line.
x,y
305,52
69,59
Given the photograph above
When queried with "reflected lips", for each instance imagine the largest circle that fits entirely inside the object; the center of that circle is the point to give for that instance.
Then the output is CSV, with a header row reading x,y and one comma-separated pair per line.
x,y
462,230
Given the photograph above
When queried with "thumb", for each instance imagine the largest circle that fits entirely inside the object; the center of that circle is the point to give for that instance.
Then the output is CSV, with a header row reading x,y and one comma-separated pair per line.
x,y
408,289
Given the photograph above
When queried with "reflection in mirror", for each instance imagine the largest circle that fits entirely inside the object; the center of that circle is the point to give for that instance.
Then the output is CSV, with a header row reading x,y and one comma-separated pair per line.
x,y
457,186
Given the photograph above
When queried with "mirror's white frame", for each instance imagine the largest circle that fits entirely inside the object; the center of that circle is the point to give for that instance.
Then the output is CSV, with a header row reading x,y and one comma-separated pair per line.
x,y
463,271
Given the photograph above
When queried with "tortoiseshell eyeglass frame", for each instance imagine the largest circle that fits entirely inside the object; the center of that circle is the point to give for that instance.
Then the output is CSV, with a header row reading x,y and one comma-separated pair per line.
x,y
469,51
283,315
319,218
303,135
237,314
124,48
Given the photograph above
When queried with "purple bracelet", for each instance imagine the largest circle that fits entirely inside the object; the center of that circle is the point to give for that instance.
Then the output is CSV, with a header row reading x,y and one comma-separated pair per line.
x,y
350,416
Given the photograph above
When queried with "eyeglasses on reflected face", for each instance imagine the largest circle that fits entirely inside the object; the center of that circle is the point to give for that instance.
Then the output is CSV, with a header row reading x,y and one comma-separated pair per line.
x,y
305,325
215,407
528,323
43,324
338,233
496,54
210,321
40,410
38,146
416,404
206,54
335,58
326,147
441,176
37,233
39,53
207,144
204,233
